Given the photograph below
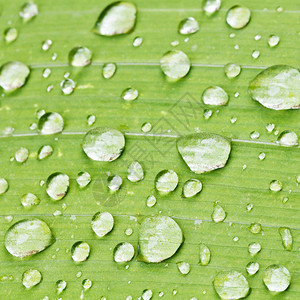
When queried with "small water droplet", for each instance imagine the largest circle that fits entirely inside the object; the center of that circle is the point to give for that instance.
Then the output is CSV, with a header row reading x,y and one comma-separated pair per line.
x,y
80,57
46,72
254,248
29,200
277,278
91,119
279,9
46,45
44,152
262,156
3,186
175,43
257,37
137,42
150,201
31,278
233,120
255,54
191,188
188,26
211,6
249,206
270,127
214,95
254,135
238,16
236,239
146,127
286,237
83,179
28,11
252,268
130,94
273,40
204,255
128,231
123,252
50,123
166,181
61,285
114,183
102,223
218,214
87,284
232,35
207,114
21,155
255,228
109,70
54,56
10,35
288,139
275,186
147,294
232,70
135,172
183,267
57,186
67,86
80,251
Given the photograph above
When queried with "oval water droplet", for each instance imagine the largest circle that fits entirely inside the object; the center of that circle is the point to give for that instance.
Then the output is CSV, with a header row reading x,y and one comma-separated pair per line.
x,y
44,152
276,88
109,70
204,152
123,252
214,95
184,267
29,200
151,201
252,268
3,186
91,119
87,284
28,237
188,26
288,139
61,285
80,57
218,214
211,6
204,255
159,238
232,70
286,237
103,144
137,42
57,185
83,179
147,294
135,172
114,183
275,186
67,86
273,40
51,123
255,228
10,35
21,155
166,181
191,188
238,16
31,278
80,251
254,248
277,278
102,223
28,11
130,94
146,127
117,18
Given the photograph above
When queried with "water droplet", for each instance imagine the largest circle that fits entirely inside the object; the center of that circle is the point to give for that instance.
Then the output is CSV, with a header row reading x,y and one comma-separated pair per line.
x,y
232,70
257,37
204,256
28,237
238,16
211,6
252,268
262,156
191,188
231,285
91,119
57,185
255,54
44,152
103,144
83,179
80,57
151,201
233,120
46,45
175,43
147,294
249,206
207,114
159,238
236,47
204,152
254,135
275,186
102,223
270,127
184,267
214,95
166,181
123,252
51,123
175,64
137,41
31,278
54,56
286,237
273,40
67,86
28,11
46,72
10,35
29,200
109,70
61,285
13,75
114,182
117,18
277,278
21,155
276,88
128,231
218,214
255,228
135,172
188,26
3,186
87,284
80,251
288,139
146,127
254,248
130,94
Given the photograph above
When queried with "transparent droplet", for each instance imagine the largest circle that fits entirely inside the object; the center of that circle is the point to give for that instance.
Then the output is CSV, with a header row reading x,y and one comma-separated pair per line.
x,y
10,35
286,237
67,86
57,185
191,188
128,231
83,179
255,228
91,119
211,6
166,181
80,251
46,72
257,37
51,123
28,11
44,152
175,43
13,75
175,64
61,285
117,18
135,172
238,16
254,135
188,26
277,278
232,70
184,267
255,54
123,252
130,94
204,152
252,268
273,40
159,238
21,155
146,127
147,294
275,186
80,57
3,186
231,285
204,255
102,223
218,214
288,139
54,56
87,284
28,237
103,144
270,127
46,45
254,248
151,201
214,95
109,70
31,278
29,200
262,156
137,41
233,120
114,183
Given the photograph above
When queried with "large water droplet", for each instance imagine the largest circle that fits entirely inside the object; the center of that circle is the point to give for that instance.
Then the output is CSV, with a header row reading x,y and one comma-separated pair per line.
x,y
21,155
102,223
29,200
10,35
184,267
204,152
232,70
275,186
116,18
130,94
166,181
31,278
277,278
67,86
51,123
109,70
252,268
214,95
211,6
57,186
286,237
28,11
175,64
277,88
103,144
188,26
231,285
80,57
80,251
44,152
191,188
288,138
135,172
238,16
204,255
123,252
28,237
83,179
3,186
13,75
159,238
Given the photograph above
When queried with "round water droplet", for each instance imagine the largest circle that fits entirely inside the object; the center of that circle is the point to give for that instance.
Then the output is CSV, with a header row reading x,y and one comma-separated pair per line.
x,y
31,278
87,284
67,86
254,248
286,237
218,214
61,285
57,186
80,251
214,95
3,186
252,268
273,40
91,119
10,35
123,252
159,238
151,201
175,64
166,181
204,255
46,45
130,94
13,75
146,127
28,11
238,16
51,123
28,237
135,172
117,18
137,41
80,57
255,228
188,26
103,144
288,139
231,285
102,223
147,294
276,88
44,152
204,152
211,6
184,267
275,186
128,231
191,188
232,70
109,70
21,155
277,278
114,183
29,200
83,179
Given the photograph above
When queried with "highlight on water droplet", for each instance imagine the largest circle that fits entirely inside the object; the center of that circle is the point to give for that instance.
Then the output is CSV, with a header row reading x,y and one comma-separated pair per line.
x,y
211,6
10,35
29,200
238,16
184,267
31,278
277,278
232,70
166,181
288,138
275,186
80,57
80,251
252,268
123,252
204,255
83,179
130,94
57,185
3,186
51,123
102,223
135,172
191,188
109,70
28,11
44,152
214,95
188,26
286,237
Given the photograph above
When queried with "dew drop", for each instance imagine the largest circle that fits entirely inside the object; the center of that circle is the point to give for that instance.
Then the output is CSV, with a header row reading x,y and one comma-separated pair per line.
x,y
57,186
254,248
31,278
218,214
128,231
188,26
211,6
232,70
288,139
147,294
10,35
67,86
257,37
137,42
275,186
135,172
252,268
262,156
286,237
28,11
21,155
214,95
109,70
204,255
54,56
146,127
46,72
238,16
91,119
44,152
102,223
51,123
80,251
80,57
46,45
255,54
270,127
123,252
130,94
87,284
273,40
29,200
83,179
191,188
183,267
207,114
151,201
166,181
3,186
255,228
254,135
277,278
114,183
61,285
